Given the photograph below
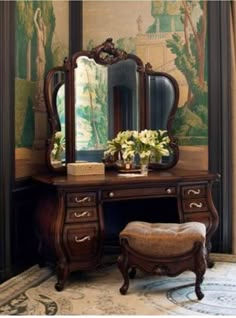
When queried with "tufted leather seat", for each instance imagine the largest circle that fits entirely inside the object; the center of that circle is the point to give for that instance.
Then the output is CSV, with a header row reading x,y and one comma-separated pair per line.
x,y
163,239
163,249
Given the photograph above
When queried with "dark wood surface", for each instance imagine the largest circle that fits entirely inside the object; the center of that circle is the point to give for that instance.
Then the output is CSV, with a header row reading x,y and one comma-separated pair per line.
x,y
7,143
115,177
78,215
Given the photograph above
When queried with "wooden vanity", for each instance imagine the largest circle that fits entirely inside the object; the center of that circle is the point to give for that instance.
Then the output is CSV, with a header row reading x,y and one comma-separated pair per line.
x,y
71,222
78,217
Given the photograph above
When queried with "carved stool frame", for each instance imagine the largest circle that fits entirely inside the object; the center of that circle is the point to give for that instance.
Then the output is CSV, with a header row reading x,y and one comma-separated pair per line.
x,y
194,260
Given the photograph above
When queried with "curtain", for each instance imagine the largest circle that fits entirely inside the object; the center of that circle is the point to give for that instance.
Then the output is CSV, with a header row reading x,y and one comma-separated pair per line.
x,y
233,97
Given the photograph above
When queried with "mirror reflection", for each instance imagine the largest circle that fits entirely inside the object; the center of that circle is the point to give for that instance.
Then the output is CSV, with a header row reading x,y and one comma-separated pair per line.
x,y
99,93
161,97
91,109
106,101
123,95
54,89
58,156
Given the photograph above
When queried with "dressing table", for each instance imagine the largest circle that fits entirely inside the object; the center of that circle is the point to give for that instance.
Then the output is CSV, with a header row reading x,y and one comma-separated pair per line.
x,y
71,210
78,216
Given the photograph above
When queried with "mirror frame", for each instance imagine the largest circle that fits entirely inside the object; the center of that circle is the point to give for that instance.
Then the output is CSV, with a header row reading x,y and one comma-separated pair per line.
x,y
173,140
104,54
50,94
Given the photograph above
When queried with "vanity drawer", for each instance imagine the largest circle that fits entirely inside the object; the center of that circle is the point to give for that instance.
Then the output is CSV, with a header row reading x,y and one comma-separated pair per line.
x,y
81,241
194,191
81,199
81,214
202,217
194,205
124,193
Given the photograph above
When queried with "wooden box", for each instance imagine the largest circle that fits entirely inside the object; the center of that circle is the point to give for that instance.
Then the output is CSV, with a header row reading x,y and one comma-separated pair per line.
x,y
85,168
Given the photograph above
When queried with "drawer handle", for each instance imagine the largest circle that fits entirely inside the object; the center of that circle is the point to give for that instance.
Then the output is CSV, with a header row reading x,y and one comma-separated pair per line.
x,y
83,239
111,194
85,199
192,191
196,205
169,190
81,214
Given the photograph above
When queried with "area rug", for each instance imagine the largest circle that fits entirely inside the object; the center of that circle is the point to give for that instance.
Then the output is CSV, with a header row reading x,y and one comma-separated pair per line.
x,y
97,293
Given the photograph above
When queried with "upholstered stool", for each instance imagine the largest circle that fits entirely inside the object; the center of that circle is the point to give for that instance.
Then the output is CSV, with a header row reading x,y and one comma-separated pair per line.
x,y
164,249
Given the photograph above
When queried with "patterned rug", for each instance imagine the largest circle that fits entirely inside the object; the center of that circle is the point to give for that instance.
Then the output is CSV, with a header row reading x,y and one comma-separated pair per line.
x,y
97,293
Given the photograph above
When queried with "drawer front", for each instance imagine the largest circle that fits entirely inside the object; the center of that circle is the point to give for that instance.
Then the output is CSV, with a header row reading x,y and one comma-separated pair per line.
x,y
81,242
194,205
81,214
198,217
126,193
195,191
81,199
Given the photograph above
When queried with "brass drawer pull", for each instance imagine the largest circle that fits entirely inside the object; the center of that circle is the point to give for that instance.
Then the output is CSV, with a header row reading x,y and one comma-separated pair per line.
x,y
81,214
85,199
192,191
195,205
83,239
111,194
169,190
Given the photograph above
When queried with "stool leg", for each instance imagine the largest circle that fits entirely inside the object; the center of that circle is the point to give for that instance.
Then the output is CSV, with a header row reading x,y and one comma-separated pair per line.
x,y
198,291
132,273
201,265
210,263
123,266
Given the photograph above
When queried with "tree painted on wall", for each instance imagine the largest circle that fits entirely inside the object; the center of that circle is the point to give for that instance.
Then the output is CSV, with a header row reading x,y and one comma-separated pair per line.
x,y
94,111
166,16
25,31
26,36
187,21
26,53
190,51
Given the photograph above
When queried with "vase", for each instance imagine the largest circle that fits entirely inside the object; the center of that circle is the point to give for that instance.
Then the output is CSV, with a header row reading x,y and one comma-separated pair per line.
x,y
156,157
144,163
144,169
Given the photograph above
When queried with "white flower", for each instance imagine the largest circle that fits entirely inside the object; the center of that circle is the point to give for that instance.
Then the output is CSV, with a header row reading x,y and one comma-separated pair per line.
x,y
59,145
144,143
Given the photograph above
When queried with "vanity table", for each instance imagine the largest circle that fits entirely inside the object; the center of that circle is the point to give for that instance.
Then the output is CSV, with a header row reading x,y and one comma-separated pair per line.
x,y
90,98
71,223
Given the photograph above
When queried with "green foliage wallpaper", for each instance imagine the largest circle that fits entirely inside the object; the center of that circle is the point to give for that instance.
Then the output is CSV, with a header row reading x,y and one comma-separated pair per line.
x,y
91,105
172,36
42,37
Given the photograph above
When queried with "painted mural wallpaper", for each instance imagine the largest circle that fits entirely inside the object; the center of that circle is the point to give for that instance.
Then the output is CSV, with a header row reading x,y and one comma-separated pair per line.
x,y
42,36
91,105
172,36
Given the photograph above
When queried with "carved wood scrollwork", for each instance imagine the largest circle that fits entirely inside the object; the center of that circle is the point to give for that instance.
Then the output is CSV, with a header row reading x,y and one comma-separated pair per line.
x,y
106,53
161,269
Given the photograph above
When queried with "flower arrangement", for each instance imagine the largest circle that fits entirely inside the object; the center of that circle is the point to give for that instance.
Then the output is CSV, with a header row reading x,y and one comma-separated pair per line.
x,y
58,146
146,144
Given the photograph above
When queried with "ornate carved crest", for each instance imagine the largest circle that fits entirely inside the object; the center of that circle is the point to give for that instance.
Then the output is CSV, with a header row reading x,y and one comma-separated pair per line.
x,y
107,53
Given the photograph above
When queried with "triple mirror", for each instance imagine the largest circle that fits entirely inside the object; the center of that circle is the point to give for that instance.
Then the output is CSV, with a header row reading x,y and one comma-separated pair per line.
x,y
98,93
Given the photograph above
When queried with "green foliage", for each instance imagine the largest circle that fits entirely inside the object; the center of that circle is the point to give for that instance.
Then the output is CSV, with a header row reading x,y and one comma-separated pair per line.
x,y
191,119
96,112
27,136
127,44
189,123
24,18
158,8
90,45
24,117
26,31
